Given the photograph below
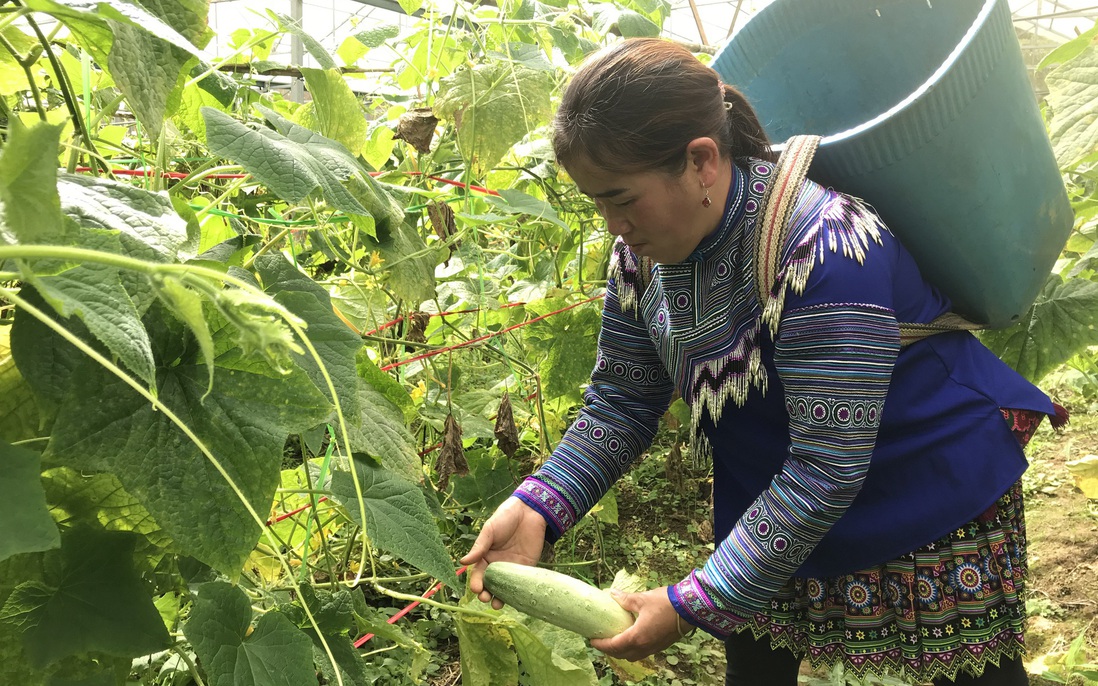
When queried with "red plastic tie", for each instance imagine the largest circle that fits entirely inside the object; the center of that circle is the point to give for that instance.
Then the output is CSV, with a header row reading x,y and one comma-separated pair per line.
x,y
480,339
393,620
287,515
389,325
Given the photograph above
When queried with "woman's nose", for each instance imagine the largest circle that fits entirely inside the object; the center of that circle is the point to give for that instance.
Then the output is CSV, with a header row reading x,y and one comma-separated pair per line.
x,y
616,222
617,226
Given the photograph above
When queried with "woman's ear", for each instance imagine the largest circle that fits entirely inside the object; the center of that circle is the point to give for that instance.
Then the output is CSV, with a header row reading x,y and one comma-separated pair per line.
x,y
703,158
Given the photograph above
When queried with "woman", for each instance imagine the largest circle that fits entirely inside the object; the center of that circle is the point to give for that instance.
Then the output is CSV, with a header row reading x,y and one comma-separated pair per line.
x,y
867,506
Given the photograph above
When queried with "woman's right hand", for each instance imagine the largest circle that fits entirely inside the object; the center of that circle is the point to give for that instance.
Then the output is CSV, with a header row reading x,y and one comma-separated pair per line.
x,y
514,533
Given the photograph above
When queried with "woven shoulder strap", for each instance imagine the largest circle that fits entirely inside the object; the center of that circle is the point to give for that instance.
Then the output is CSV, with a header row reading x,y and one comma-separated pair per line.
x,y
950,321
777,206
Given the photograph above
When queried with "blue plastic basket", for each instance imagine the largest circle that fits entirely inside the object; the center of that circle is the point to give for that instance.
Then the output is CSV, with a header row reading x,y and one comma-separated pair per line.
x,y
927,113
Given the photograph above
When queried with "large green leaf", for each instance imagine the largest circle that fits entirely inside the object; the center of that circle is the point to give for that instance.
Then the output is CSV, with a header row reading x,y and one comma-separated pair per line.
x,y
275,653
397,518
27,522
103,425
19,413
352,666
630,24
338,110
311,44
1069,49
377,36
12,77
324,164
334,612
494,106
335,616
384,383
30,209
334,341
1073,90
488,483
291,170
1062,322
409,263
550,656
516,202
149,226
192,99
487,652
564,340
379,430
545,655
95,602
149,70
45,360
94,292
118,10
99,500
383,207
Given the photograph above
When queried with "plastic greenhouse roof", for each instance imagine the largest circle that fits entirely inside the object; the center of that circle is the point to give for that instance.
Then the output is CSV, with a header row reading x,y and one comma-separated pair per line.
x,y
1042,24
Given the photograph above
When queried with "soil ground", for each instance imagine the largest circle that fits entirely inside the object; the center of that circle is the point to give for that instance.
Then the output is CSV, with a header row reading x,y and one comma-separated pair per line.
x,y
1063,554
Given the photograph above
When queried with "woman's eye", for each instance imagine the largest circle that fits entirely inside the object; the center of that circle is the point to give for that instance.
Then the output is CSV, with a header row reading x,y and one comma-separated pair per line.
x,y
623,204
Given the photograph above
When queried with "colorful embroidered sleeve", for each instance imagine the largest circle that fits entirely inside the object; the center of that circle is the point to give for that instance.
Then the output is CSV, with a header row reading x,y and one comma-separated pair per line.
x,y
835,360
629,391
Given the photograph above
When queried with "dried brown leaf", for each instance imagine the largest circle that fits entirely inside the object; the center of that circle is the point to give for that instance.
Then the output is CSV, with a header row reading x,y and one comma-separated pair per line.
x,y
505,430
417,128
442,221
416,323
451,457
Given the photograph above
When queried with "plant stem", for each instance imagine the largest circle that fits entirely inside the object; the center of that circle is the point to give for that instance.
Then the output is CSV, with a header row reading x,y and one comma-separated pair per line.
x,y
229,190
161,160
27,441
434,603
178,650
26,62
64,85
12,16
267,246
400,341
199,174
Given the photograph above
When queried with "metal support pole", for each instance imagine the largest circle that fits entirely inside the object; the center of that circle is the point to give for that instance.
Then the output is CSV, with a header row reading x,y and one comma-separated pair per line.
x,y
698,22
297,52
735,16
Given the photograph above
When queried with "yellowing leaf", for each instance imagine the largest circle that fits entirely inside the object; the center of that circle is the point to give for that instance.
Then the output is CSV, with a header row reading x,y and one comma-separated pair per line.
x,y
628,582
1085,471
1072,90
338,111
493,106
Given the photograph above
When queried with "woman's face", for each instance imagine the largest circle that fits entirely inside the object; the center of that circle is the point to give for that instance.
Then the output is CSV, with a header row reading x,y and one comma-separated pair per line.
x,y
659,216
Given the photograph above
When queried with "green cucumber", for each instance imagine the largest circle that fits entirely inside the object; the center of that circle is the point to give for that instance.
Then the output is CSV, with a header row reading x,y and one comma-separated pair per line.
x,y
557,598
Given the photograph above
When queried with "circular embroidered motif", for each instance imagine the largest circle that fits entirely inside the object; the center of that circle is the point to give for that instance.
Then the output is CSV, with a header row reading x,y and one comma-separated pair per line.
x,y
858,594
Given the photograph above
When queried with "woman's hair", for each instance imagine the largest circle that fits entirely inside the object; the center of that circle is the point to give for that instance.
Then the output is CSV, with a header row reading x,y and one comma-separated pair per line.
x,y
635,105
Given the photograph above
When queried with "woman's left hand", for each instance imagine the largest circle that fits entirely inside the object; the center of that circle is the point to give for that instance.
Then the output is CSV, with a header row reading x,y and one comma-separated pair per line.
x,y
656,628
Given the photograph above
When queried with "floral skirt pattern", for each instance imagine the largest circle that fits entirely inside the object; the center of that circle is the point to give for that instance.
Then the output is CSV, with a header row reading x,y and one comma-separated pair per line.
x,y
951,606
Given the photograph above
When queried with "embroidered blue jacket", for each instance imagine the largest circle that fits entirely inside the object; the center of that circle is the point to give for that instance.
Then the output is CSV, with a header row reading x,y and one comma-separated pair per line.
x,y
833,449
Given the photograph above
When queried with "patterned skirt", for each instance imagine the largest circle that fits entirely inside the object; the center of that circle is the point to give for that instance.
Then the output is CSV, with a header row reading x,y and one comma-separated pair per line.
x,y
951,606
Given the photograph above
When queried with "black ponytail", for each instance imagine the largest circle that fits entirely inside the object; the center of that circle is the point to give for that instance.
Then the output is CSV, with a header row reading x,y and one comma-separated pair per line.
x,y
745,132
